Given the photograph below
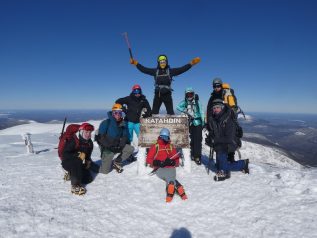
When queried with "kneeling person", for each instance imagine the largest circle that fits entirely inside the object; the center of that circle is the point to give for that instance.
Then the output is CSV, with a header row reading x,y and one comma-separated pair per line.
x,y
114,140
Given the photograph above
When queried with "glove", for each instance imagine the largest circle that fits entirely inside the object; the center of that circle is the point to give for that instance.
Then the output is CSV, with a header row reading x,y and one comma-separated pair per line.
x,y
209,141
88,163
158,163
195,61
82,156
169,162
146,115
116,149
133,61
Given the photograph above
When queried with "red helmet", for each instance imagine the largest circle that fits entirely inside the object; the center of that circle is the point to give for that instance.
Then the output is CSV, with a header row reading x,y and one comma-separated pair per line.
x,y
86,127
136,86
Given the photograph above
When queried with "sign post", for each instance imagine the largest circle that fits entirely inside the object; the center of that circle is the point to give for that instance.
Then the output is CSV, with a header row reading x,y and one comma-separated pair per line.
x,y
149,131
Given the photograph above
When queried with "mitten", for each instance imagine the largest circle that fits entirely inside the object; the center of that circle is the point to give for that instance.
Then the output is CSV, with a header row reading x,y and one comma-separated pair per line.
x,y
195,61
133,61
82,156
158,163
169,162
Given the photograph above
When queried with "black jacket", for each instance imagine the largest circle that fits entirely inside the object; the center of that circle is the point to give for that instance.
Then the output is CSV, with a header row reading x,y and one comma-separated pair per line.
x,y
222,130
135,106
162,77
70,151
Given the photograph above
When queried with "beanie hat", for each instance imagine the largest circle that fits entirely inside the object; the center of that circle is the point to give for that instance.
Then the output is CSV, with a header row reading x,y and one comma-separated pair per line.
x,y
218,102
216,81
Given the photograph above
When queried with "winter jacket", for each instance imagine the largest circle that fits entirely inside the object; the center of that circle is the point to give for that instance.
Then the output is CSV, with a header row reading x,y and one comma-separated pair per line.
x,y
113,134
163,77
213,96
161,151
222,130
135,106
198,112
70,151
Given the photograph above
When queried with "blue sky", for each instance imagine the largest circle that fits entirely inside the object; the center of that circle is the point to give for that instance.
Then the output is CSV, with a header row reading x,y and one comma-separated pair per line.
x,y
70,54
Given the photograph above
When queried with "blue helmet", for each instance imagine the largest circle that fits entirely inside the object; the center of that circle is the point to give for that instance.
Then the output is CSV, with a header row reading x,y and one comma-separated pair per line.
x,y
165,134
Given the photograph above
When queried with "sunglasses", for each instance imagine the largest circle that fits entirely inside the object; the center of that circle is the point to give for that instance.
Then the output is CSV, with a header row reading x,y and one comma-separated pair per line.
x,y
217,86
165,138
136,91
117,113
190,95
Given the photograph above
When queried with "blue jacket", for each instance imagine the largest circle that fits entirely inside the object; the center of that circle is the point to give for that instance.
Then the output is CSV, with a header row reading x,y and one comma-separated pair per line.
x,y
198,117
113,133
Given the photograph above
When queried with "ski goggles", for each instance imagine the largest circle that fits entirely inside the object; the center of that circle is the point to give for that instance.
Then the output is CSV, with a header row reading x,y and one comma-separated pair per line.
x,y
190,94
136,91
117,113
217,86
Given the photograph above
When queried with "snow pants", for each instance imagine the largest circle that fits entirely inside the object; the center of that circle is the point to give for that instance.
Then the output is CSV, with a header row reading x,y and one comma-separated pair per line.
x,y
133,127
195,133
78,173
167,174
163,98
107,157
223,164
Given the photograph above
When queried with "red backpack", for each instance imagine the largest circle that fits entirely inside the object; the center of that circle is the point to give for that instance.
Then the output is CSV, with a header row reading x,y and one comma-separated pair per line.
x,y
70,133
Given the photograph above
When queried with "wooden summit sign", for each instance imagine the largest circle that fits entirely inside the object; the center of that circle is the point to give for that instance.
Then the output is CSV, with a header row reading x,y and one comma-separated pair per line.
x,y
177,124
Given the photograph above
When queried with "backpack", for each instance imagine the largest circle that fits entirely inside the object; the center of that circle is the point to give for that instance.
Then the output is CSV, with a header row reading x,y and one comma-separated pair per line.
x,y
228,96
70,133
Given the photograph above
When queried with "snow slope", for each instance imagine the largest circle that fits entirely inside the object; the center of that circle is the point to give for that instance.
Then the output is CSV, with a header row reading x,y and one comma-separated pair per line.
x,y
277,199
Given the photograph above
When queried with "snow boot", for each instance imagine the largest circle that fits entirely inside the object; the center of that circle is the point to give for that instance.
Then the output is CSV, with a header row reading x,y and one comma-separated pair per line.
x,y
197,161
66,176
180,190
117,166
246,167
221,176
78,190
131,159
170,190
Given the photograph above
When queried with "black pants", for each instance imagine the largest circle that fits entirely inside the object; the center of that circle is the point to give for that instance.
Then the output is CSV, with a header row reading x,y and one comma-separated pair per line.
x,y
78,173
195,133
163,98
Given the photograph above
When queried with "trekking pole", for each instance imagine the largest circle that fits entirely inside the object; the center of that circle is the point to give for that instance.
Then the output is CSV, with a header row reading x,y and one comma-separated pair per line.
x,y
125,34
211,158
63,126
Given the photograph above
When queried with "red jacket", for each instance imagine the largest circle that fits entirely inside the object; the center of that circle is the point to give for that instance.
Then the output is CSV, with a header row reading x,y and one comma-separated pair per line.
x,y
160,151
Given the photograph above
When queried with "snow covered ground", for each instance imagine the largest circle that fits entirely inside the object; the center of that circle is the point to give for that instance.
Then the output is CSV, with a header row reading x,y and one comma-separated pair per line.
x,y
277,199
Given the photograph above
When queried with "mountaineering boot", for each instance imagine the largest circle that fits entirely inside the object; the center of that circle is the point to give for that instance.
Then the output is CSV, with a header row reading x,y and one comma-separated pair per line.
x,y
170,190
246,167
180,190
78,190
221,176
66,176
117,166
197,161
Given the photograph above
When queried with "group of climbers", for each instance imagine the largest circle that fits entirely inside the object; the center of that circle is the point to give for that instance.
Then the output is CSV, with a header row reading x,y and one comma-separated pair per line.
x,y
116,133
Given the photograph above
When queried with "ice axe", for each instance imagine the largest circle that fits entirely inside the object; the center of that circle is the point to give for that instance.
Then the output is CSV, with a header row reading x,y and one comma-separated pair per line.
x,y
154,170
125,34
